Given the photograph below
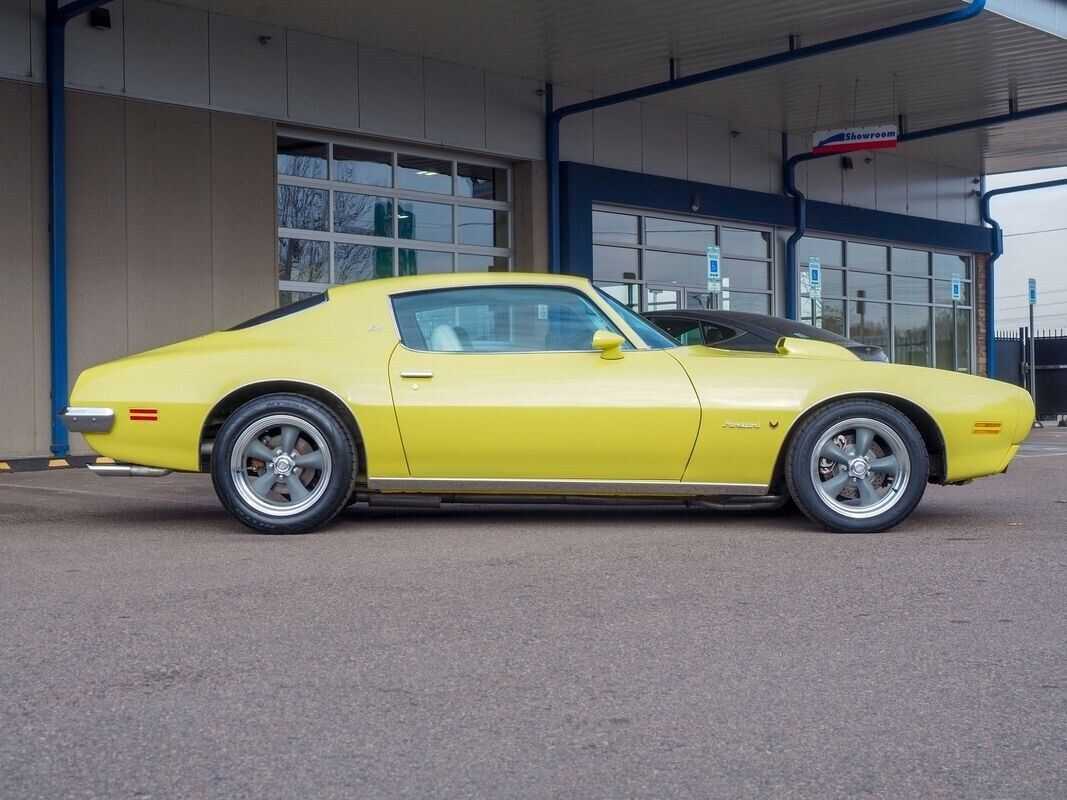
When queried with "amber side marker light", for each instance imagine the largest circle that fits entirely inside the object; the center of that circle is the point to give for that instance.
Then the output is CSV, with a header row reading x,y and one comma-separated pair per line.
x,y
986,429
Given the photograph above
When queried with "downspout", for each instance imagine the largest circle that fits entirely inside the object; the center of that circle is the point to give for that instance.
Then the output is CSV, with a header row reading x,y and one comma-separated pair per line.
x,y
56,19
555,115
998,251
792,268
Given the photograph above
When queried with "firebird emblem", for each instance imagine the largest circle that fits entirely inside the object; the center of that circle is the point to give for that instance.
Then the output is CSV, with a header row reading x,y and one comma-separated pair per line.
x,y
741,425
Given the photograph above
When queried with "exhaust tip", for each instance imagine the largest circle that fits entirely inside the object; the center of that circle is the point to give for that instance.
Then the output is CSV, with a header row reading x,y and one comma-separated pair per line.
x,y
127,471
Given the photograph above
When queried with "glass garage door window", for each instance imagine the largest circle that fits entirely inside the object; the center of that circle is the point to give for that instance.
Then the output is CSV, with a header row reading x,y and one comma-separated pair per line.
x,y
352,211
654,261
897,298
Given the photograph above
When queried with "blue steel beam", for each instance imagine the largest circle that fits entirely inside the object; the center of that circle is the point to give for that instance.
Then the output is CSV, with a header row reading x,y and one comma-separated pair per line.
x,y
554,116
56,19
998,251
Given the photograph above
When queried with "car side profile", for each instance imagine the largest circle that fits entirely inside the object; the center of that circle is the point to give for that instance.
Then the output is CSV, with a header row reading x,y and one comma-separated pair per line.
x,y
481,387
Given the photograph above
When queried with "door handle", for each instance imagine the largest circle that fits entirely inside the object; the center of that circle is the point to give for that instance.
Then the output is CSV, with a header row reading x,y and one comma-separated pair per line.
x,y
415,373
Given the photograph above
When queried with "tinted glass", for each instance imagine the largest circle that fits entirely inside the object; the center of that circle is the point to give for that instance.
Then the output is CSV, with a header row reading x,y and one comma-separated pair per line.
x,y
357,165
610,227
362,214
831,251
482,226
910,262
911,290
943,293
303,260
912,334
360,262
679,235
423,262
745,301
286,298
869,323
745,274
424,174
652,336
944,342
862,284
686,331
681,268
614,263
498,319
947,265
469,262
485,183
867,256
301,158
302,209
429,222
828,315
745,243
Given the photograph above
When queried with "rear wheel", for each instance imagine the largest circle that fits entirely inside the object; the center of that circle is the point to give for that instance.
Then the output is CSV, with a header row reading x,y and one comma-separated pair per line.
x,y
857,466
283,463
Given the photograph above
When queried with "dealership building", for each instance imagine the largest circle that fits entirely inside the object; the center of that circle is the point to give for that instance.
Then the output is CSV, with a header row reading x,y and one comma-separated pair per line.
x,y
211,159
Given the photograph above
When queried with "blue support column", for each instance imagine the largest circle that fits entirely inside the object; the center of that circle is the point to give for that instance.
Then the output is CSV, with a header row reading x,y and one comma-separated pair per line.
x,y
56,18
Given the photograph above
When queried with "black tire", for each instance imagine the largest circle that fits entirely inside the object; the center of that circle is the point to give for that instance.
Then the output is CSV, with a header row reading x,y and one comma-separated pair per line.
x,y
261,493
848,491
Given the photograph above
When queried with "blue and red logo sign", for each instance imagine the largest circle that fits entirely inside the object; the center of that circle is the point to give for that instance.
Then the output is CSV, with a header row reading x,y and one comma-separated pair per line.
x,y
845,140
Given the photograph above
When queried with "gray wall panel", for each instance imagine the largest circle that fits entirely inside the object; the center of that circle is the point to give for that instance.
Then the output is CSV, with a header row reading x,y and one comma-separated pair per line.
x,y
922,189
15,37
824,179
576,131
96,229
243,232
391,93
891,190
247,74
751,156
17,395
617,136
95,57
952,185
455,104
167,53
323,80
42,415
169,222
858,183
708,149
514,122
663,141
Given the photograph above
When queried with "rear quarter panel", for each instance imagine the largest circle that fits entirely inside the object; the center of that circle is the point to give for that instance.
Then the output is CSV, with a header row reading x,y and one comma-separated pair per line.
x,y
342,346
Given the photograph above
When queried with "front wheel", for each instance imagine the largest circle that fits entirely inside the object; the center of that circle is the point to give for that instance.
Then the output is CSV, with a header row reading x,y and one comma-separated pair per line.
x,y
857,466
283,463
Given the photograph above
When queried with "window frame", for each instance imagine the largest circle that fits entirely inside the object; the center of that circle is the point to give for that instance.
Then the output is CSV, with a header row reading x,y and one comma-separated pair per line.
x,y
395,150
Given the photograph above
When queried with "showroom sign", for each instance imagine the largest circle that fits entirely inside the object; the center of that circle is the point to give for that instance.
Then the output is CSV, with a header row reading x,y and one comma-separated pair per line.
x,y
845,140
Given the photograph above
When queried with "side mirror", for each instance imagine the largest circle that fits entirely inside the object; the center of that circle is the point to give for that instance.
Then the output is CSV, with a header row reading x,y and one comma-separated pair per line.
x,y
609,344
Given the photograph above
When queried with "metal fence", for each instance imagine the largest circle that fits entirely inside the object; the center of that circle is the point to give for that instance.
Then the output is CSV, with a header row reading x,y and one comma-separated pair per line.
x,y
1048,374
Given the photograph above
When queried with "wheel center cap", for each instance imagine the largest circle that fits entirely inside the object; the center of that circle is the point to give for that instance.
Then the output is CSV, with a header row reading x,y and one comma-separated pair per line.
x,y
283,465
858,468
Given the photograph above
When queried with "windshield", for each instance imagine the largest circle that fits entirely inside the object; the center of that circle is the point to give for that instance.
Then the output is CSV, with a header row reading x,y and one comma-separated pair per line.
x,y
651,335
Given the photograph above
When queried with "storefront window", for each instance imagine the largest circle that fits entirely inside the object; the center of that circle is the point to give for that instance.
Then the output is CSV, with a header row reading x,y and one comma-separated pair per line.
x,y
348,212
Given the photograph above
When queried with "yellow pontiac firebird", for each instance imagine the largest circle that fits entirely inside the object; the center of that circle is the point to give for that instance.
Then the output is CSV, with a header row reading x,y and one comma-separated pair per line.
x,y
500,386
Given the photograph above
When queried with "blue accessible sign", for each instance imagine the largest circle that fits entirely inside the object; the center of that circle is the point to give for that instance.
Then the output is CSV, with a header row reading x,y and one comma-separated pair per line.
x,y
1032,291
714,269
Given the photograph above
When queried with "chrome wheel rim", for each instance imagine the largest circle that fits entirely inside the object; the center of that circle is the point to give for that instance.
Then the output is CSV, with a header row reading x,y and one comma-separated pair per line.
x,y
281,465
860,468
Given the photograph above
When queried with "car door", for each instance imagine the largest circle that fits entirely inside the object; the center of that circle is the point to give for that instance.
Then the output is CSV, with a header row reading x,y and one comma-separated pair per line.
x,y
503,382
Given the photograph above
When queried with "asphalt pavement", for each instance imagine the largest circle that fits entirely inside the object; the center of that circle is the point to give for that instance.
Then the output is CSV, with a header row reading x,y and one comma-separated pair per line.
x,y
150,647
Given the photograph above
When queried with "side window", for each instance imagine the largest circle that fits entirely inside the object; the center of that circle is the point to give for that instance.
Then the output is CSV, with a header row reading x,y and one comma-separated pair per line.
x,y
717,333
498,319
686,331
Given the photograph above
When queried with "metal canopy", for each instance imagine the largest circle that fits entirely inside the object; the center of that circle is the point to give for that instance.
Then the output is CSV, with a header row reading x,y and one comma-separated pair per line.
x,y
933,78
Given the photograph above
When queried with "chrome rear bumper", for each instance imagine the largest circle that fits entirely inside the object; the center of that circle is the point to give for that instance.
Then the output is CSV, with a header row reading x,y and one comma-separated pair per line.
x,y
88,420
